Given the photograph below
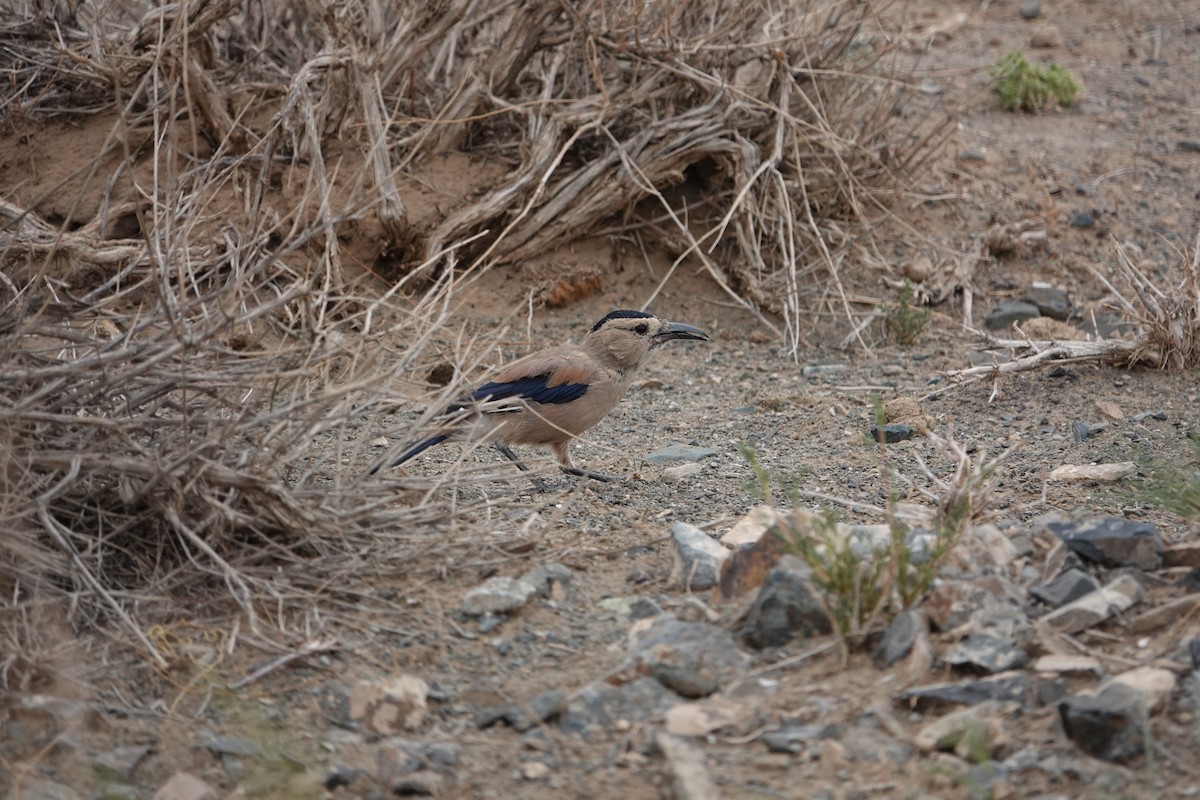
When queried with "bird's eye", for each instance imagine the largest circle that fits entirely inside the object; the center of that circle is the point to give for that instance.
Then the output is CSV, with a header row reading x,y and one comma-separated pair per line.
x,y
641,329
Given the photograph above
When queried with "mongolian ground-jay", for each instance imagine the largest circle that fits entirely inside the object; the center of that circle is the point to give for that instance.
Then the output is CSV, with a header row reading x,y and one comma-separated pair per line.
x,y
552,396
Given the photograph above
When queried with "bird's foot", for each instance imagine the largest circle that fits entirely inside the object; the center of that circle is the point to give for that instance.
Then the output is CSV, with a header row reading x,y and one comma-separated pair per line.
x,y
587,473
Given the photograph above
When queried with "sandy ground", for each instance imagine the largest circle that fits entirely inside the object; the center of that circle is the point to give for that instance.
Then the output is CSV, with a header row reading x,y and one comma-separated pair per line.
x,y
1116,155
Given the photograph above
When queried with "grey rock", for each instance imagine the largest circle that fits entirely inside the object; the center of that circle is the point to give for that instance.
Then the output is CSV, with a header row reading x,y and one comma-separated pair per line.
x,y
693,659
680,452
1080,431
1049,691
185,786
1194,652
1006,620
38,789
921,544
1046,36
988,602
1031,9
1189,581
988,653
1008,687
687,768
787,607
792,737
1189,145
334,700
543,575
1082,219
1005,314
900,637
893,433
698,557
1067,587
497,594
982,779
1106,325
1112,541
975,154
422,783
340,776
523,716
823,370
1095,607
873,745
1050,301
232,746
1110,725
644,608
599,706
120,762
34,723
407,767
681,472
442,754
621,606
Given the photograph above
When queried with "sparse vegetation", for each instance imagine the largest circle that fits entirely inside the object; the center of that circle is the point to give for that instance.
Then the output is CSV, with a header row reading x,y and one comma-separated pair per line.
x,y
1178,489
905,322
866,580
1023,86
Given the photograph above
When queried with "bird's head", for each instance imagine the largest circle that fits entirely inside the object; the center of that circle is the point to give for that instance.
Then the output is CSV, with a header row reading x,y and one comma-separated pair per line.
x,y
623,339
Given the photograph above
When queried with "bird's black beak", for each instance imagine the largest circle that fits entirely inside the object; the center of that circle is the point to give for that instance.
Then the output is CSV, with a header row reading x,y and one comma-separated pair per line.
x,y
677,330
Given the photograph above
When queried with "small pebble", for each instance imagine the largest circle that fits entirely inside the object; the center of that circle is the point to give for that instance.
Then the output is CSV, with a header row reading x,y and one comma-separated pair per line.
x,y
1082,219
1031,9
1046,38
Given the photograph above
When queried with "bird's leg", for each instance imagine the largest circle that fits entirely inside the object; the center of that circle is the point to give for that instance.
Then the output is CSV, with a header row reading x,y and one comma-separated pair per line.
x,y
563,452
507,452
587,473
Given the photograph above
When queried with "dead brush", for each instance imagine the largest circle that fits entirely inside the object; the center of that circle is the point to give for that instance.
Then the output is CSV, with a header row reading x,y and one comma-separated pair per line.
x,y
185,404
185,413
758,141
1168,316
1165,316
161,453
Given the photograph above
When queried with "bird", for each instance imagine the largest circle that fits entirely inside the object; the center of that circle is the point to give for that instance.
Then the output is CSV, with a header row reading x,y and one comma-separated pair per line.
x,y
552,396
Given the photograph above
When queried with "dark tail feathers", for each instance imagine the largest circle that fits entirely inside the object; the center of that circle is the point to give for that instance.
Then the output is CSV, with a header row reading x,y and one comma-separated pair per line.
x,y
415,450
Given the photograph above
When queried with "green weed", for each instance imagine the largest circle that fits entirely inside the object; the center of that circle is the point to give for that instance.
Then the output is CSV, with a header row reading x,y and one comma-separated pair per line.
x,y
1177,489
865,584
906,322
1023,86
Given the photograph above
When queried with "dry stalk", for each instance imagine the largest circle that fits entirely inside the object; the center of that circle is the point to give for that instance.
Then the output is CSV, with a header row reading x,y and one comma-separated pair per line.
x,y
1167,321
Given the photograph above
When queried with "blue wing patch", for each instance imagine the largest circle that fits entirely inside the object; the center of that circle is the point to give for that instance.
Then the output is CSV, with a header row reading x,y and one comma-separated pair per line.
x,y
533,389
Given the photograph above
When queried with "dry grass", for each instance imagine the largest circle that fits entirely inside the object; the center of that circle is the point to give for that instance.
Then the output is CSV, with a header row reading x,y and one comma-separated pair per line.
x,y
189,364
1164,311
1165,306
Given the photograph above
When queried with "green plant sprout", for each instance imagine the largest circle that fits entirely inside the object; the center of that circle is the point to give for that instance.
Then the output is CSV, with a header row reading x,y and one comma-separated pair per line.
x,y
905,322
1023,86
